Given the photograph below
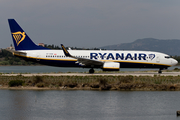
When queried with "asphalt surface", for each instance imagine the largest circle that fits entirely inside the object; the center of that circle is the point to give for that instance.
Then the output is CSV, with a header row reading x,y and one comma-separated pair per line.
x,y
101,74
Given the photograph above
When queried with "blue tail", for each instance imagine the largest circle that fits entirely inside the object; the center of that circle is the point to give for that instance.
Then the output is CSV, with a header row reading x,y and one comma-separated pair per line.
x,y
20,38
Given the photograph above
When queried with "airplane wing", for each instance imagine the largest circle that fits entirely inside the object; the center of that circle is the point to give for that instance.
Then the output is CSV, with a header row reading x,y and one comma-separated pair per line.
x,y
87,62
82,61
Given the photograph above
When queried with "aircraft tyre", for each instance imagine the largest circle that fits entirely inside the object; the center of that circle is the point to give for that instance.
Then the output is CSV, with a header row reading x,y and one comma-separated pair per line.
x,y
160,71
91,70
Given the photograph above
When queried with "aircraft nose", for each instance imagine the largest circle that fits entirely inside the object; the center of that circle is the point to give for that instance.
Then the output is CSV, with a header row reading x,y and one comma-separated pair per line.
x,y
174,62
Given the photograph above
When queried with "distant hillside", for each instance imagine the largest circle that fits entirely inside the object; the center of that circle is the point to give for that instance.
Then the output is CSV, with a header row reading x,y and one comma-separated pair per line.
x,y
170,47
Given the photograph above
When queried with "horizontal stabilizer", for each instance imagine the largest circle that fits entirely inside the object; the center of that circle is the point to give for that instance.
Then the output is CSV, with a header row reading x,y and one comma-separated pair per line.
x,y
16,52
20,53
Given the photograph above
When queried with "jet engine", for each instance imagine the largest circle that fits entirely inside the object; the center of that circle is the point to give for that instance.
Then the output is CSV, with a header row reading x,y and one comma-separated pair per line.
x,y
111,66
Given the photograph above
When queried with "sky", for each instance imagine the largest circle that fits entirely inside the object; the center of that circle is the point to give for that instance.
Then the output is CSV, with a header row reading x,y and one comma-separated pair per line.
x,y
90,23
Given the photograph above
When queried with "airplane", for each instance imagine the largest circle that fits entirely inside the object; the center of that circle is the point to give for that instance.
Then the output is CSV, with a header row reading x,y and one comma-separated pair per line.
x,y
107,60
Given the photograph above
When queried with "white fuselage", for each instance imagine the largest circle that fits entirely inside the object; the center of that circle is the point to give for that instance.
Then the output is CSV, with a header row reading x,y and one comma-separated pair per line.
x,y
127,59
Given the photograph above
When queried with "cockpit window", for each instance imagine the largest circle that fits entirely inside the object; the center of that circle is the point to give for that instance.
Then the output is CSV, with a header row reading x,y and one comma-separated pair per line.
x,y
167,57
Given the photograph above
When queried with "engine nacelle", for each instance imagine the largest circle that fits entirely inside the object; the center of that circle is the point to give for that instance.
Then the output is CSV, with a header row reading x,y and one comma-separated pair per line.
x,y
111,66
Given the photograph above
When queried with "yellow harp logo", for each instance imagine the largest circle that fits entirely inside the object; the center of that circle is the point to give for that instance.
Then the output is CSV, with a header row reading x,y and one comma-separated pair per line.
x,y
19,37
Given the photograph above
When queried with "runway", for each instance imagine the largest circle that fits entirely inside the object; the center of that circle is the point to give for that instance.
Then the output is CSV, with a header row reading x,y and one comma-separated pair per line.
x,y
100,74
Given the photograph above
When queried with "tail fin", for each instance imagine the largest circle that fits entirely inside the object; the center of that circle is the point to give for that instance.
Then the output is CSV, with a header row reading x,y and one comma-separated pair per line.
x,y
20,38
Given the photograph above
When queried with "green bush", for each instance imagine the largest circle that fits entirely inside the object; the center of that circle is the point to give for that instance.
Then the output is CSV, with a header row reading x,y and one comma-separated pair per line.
x,y
37,79
102,81
126,79
40,84
176,69
14,83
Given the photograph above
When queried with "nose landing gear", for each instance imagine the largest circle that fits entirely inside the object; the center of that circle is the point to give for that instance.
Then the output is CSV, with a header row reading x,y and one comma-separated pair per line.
x,y
160,70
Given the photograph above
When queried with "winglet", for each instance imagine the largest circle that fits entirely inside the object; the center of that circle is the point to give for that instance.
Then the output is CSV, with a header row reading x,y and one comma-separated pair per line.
x,y
65,51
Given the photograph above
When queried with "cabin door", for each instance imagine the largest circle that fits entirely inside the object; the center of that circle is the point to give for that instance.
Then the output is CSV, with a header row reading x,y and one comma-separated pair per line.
x,y
158,58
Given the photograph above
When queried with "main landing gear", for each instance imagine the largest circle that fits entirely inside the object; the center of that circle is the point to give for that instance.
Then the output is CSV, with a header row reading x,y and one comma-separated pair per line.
x,y
160,71
91,70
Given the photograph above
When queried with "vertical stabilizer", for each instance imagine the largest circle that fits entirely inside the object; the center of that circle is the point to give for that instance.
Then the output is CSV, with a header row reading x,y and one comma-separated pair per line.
x,y
20,38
